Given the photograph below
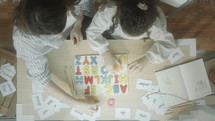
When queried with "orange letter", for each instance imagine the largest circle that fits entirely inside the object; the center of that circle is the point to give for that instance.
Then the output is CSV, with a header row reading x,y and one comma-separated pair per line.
x,y
86,62
98,79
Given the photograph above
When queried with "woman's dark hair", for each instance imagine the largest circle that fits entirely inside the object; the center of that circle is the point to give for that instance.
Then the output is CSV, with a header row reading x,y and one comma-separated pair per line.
x,y
133,20
42,17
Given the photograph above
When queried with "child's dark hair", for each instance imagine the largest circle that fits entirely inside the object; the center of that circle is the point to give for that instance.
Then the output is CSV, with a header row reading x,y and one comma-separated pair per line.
x,y
42,17
134,20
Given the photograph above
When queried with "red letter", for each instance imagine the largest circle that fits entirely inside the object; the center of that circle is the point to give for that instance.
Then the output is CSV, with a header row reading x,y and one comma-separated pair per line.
x,y
123,88
88,79
116,79
87,90
78,71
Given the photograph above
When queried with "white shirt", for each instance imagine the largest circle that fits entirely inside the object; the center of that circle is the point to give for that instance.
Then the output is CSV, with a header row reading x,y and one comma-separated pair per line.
x,y
102,21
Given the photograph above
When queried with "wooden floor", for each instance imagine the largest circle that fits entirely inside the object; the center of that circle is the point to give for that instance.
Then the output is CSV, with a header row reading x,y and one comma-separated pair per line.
x,y
194,21
6,26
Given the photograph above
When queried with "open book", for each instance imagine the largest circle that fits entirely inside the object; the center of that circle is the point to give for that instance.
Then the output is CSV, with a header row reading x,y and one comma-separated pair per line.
x,y
184,82
92,78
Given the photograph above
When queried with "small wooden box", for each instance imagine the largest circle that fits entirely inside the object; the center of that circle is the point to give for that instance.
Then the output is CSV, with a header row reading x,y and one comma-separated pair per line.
x,y
8,103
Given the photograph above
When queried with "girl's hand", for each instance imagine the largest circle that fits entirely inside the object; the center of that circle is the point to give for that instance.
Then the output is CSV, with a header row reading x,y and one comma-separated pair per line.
x,y
139,64
110,61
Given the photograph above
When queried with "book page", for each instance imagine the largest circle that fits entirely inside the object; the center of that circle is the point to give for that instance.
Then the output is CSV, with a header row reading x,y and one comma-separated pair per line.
x,y
92,78
196,79
171,82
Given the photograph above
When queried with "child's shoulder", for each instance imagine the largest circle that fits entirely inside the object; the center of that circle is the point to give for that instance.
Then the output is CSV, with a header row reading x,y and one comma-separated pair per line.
x,y
110,5
160,21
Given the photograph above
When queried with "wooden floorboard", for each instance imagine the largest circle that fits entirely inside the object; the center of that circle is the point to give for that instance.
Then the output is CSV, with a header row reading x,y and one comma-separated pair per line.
x,y
6,42
194,21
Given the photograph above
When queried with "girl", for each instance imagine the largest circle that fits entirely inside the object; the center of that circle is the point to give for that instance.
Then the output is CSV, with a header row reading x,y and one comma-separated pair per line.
x,y
133,20
41,26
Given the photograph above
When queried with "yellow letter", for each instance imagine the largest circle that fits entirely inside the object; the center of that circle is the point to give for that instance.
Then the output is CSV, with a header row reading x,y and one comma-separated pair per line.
x,y
86,70
94,70
123,79
93,89
109,89
123,57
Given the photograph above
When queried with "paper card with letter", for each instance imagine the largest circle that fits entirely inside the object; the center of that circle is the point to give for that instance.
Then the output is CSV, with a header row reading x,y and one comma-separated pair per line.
x,y
92,78
184,82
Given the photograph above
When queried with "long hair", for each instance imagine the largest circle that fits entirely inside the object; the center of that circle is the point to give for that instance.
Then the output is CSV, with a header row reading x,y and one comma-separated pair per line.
x,y
42,17
133,20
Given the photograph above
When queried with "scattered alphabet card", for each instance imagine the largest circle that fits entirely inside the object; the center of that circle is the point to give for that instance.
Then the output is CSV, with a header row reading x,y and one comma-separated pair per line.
x,y
7,71
45,112
37,101
47,107
77,114
122,113
142,115
155,102
146,85
143,84
7,88
176,55
92,78
184,82
82,116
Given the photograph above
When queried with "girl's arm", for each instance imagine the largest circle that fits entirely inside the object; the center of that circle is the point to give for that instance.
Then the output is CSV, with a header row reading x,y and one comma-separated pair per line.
x,y
164,42
100,23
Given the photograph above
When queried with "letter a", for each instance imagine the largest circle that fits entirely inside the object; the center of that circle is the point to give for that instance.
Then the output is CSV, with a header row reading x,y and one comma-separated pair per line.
x,y
123,88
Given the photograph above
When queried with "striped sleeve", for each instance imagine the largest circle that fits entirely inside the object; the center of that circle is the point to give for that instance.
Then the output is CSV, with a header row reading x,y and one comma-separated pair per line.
x,y
33,53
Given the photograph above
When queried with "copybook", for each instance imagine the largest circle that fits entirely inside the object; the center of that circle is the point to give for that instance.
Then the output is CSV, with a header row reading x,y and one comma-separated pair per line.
x,y
183,83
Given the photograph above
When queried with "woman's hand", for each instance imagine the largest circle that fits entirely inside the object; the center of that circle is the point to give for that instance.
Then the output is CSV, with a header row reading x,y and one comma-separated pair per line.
x,y
139,64
76,35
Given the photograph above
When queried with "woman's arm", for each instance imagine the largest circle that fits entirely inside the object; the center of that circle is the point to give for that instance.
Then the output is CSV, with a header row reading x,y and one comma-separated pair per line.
x,y
76,35
86,105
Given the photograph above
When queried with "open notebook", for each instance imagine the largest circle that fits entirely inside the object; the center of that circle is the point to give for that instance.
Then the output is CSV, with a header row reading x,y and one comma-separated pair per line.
x,y
182,83
92,78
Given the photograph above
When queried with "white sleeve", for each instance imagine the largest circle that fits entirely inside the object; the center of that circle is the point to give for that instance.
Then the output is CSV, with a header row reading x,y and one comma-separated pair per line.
x,y
164,42
100,23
